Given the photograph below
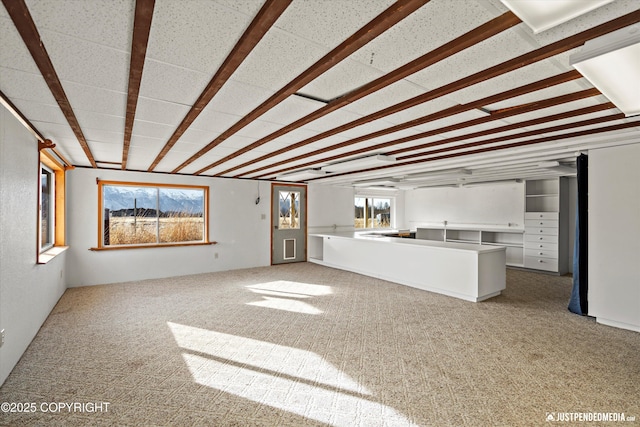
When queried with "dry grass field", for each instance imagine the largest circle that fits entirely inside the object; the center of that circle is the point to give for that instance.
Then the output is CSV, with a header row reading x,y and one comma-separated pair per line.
x,y
141,230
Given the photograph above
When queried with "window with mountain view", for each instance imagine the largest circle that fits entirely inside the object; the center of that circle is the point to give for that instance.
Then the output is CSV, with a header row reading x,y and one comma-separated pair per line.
x,y
136,214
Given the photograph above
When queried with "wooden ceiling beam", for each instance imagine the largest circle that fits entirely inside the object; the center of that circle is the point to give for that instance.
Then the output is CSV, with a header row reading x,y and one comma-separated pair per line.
x,y
141,29
577,134
492,72
477,35
260,25
532,87
523,109
387,19
25,25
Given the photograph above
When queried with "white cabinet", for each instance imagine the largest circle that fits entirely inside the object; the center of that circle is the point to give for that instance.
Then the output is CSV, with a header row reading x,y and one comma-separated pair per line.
x,y
546,225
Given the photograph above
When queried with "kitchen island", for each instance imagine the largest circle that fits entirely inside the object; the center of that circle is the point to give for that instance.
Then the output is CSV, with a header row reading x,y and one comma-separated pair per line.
x,y
467,271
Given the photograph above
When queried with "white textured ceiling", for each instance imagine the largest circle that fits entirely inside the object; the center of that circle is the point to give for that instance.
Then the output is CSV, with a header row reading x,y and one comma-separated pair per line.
x,y
89,45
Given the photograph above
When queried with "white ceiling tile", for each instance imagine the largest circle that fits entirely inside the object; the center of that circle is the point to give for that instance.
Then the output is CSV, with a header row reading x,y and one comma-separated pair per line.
x,y
18,84
390,95
87,63
151,129
13,52
211,120
258,129
429,27
488,53
238,98
197,137
291,109
236,142
90,119
197,35
550,92
152,110
341,79
96,100
99,135
167,82
109,23
36,111
54,131
332,120
329,23
277,59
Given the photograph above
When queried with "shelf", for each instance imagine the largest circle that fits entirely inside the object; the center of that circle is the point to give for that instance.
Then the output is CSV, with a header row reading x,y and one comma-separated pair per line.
x,y
542,195
507,245
473,242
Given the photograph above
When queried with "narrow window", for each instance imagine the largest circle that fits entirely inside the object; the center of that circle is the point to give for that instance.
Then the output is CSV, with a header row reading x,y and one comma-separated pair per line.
x,y
47,208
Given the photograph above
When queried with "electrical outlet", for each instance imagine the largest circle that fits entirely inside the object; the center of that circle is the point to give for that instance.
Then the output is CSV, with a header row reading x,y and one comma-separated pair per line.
x,y
215,255
263,216
1,337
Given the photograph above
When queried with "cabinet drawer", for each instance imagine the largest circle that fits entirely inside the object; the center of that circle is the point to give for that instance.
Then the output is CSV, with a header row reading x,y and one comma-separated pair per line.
x,y
541,215
537,223
541,253
537,245
541,238
552,231
547,264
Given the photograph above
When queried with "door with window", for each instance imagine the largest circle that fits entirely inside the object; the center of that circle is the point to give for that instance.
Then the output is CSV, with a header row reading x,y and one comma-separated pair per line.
x,y
289,223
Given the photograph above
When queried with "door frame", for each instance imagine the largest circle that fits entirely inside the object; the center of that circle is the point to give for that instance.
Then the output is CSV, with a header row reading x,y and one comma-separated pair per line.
x,y
306,213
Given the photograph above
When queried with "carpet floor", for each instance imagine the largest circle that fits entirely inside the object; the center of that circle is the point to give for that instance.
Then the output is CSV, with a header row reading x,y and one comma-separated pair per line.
x,y
306,345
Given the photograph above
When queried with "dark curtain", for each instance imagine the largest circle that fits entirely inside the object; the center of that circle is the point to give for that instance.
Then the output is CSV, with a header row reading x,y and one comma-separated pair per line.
x,y
578,303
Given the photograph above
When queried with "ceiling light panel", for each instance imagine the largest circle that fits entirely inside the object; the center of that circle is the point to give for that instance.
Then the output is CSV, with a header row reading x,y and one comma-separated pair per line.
x,y
426,29
612,64
540,15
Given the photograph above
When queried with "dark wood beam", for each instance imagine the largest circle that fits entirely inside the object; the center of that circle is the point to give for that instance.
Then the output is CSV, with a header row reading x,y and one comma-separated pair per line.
x,y
23,21
387,19
492,72
262,22
477,35
532,87
141,29
577,134
458,126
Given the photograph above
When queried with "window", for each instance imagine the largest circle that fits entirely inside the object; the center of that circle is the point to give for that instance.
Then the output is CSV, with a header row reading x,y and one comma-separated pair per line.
x,y
47,208
372,212
138,215
51,208
289,210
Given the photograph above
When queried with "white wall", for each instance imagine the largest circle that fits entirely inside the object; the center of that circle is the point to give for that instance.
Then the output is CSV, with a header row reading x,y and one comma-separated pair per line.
x,y
329,208
235,220
28,292
614,236
499,204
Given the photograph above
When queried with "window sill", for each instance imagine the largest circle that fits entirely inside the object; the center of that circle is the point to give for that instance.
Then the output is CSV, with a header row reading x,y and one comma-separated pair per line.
x,y
166,245
49,254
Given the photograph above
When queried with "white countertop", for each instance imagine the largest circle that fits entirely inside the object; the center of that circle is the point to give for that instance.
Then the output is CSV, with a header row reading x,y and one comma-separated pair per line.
x,y
374,237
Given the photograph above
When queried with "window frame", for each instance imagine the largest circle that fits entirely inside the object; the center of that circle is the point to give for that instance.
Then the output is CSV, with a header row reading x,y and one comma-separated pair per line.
x,y
373,197
57,210
205,215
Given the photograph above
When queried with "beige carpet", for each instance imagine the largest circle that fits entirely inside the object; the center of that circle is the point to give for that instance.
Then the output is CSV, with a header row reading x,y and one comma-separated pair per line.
x,y
306,345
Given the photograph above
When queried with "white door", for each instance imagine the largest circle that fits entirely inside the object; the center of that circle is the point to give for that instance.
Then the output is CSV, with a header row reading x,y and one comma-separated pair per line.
x,y
289,223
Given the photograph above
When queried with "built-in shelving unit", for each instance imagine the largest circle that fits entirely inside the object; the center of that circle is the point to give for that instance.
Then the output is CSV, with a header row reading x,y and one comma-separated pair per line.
x,y
511,239
546,224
